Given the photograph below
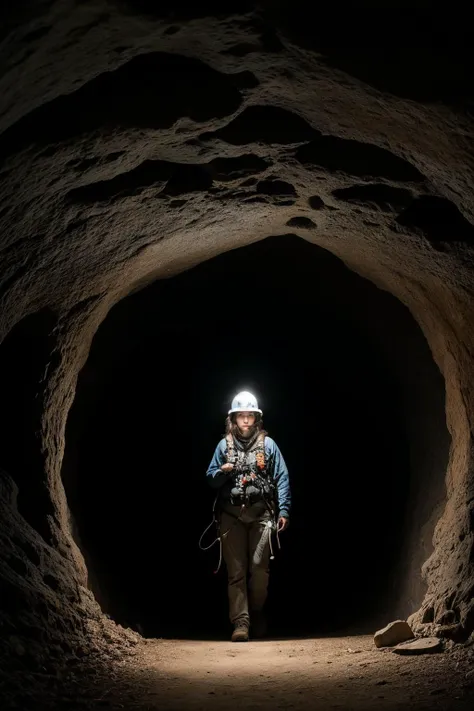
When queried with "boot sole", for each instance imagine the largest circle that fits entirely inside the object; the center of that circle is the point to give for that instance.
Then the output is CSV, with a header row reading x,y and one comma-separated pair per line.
x,y
240,638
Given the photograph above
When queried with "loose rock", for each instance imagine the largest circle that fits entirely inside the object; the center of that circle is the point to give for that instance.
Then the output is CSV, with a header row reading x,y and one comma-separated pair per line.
x,y
394,633
423,645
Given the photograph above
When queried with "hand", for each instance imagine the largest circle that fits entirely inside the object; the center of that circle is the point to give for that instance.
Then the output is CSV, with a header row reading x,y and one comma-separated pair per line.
x,y
283,523
227,467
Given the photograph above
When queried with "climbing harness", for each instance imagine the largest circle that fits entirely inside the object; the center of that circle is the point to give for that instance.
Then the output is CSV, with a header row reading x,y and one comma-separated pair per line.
x,y
249,486
251,481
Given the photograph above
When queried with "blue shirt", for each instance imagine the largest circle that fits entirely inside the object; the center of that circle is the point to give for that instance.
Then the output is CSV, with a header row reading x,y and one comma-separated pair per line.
x,y
275,465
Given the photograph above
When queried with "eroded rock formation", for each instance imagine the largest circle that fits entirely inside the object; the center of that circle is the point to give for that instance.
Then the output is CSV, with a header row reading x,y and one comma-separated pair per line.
x,y
136,143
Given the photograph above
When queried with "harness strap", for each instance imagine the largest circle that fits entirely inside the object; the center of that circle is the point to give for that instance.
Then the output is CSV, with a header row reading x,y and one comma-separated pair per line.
x,y
260,447
231,456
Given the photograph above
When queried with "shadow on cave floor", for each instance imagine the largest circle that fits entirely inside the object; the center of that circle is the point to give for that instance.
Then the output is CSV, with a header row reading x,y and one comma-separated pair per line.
x,y
318,674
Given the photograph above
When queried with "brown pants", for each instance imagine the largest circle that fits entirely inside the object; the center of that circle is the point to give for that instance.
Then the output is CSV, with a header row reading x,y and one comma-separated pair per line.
x,y
246,551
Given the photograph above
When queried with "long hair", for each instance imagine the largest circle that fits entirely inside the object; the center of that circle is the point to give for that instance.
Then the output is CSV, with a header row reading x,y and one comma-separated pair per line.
x,y
232,428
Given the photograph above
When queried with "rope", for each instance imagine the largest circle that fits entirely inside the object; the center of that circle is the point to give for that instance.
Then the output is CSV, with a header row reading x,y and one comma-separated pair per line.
x,y
220,557
204,533
220,537
272,557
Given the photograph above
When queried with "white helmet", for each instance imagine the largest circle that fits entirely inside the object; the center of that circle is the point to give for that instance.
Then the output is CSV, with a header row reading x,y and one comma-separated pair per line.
x,y
244,402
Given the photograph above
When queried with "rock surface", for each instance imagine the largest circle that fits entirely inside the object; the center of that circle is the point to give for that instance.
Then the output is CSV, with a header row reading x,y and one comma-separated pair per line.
x,y
423,645
394,633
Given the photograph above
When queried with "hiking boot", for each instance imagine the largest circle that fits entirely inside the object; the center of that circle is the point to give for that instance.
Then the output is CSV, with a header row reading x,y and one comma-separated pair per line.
x,y
258,625
240,633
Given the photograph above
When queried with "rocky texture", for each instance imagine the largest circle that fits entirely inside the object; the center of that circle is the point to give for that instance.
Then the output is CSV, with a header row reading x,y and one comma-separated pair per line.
x,y
394,633
137,140
49,620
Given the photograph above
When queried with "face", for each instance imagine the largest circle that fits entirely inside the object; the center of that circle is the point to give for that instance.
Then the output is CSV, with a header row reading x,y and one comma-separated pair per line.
x,y
245,421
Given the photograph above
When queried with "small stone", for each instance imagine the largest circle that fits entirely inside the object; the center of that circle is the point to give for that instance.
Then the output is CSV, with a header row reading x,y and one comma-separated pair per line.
x,y
422,645
394,633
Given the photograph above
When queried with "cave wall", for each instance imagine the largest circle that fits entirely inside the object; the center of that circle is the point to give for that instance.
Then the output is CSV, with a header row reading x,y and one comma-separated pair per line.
x,y
24,358
48,614
103,189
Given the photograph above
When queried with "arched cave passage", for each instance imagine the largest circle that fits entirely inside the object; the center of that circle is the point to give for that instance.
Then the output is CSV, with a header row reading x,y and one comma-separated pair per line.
x,y
351,394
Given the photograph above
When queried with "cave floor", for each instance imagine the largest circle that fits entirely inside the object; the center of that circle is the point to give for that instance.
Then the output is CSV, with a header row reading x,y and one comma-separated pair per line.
x,y
327,673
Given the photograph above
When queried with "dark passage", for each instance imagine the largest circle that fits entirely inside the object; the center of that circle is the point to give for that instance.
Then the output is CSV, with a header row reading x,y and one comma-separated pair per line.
x,y
24,358
286,320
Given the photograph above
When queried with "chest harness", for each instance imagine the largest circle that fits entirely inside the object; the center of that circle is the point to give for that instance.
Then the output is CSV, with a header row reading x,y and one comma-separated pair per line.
x,y
251,483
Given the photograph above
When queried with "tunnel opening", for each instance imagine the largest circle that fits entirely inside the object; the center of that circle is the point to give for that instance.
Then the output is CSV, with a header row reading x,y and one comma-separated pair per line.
x,y
351,395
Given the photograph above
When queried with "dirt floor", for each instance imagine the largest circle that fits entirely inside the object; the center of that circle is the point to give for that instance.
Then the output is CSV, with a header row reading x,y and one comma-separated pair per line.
x,y
319,674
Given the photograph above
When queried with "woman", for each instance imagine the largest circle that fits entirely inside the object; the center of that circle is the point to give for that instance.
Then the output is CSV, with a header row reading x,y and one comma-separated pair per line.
x,y
253,500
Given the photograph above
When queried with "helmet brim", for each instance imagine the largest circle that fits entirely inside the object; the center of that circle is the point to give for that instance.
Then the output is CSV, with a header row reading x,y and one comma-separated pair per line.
x,y
249,409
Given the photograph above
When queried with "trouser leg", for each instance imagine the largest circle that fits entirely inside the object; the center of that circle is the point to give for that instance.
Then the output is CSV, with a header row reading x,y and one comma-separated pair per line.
x,y
235,553
259,562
